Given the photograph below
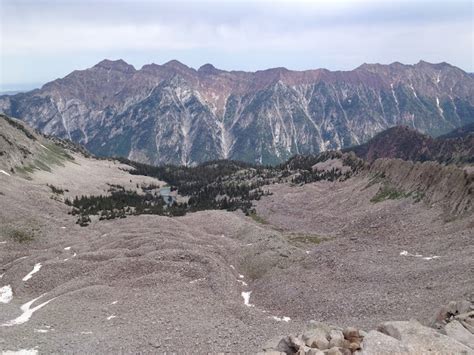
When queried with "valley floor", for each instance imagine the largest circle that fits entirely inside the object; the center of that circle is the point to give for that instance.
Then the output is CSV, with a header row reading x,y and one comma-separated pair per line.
x,y
217,281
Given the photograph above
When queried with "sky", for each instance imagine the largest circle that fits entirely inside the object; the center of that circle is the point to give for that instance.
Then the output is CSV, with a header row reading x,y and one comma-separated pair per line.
x,y
42,40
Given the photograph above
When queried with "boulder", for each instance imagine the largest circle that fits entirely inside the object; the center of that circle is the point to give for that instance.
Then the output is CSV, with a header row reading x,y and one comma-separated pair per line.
x,y
464,306
279,344
317,338
336,339
333,351
314,351
457,331
421,339
376,343
352,335
295,342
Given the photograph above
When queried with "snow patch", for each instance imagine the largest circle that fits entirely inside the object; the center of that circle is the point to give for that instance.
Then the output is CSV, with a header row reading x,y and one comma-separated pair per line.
x,y
431,257
4,172
241,276
27,312
86,333
114,302
246,297
441,112
41,330
232,267
20,352
67,248
197,280
284,319
3,242
111,317
36,268
406,253
6,294
242,282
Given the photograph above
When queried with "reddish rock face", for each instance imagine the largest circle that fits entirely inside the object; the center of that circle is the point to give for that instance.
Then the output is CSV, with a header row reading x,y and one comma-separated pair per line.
x,y
172,113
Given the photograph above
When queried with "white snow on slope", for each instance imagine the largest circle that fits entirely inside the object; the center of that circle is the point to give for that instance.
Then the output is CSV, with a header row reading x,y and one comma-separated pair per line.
x,y
36,268
41,330
6,294
4,172
27,312
406,253
197,280
284,319
20,352
67,248
246,296
111,317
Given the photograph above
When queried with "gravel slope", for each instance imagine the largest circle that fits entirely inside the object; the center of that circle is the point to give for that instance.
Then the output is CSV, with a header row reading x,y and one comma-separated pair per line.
x,y
156,284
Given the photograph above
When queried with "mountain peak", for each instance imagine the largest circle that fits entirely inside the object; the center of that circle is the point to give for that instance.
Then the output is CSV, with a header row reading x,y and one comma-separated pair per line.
x,y
119,65
208,69
175,64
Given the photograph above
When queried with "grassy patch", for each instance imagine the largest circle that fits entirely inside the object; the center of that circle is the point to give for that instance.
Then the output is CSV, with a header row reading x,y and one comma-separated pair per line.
x,y
257,218
312,239
47,157
20,235
387,192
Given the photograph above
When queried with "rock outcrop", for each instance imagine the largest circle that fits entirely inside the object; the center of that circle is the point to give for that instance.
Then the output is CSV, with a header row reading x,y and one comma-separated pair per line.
x,y
454,334
449,186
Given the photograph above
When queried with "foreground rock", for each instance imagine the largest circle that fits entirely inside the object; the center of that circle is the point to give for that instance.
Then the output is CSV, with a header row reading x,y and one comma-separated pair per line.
x,y
452,333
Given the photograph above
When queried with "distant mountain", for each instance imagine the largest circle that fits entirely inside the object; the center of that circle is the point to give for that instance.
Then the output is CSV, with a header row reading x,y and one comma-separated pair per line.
x,y
175,114
407,144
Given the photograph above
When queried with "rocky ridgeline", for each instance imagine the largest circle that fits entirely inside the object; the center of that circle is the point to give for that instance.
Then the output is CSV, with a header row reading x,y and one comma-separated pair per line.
x,y
449,186
450,332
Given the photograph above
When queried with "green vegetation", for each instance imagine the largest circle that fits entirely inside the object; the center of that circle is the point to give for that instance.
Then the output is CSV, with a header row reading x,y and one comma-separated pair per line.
x,y
307,238
47,157
56,190
259,219
20,235
388,192
121,203
222,185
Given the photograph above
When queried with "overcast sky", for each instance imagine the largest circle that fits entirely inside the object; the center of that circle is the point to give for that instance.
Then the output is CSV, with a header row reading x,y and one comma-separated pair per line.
x,y
42,40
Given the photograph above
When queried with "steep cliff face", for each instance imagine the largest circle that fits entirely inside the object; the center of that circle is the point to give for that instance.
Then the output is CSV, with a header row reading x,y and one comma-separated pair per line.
x,y
448,186
174,114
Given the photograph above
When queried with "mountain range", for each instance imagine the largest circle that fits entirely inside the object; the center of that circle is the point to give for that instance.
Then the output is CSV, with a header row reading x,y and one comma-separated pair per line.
x,y
172,113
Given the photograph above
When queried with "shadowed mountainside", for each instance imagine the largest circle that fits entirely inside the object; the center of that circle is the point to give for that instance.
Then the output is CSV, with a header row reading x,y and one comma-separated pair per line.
x,y
407,144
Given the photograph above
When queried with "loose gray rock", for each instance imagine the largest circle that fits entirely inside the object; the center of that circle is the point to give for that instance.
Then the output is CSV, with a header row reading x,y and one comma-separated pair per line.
x,y
423,339
336,339
317,338
456,330
376,343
